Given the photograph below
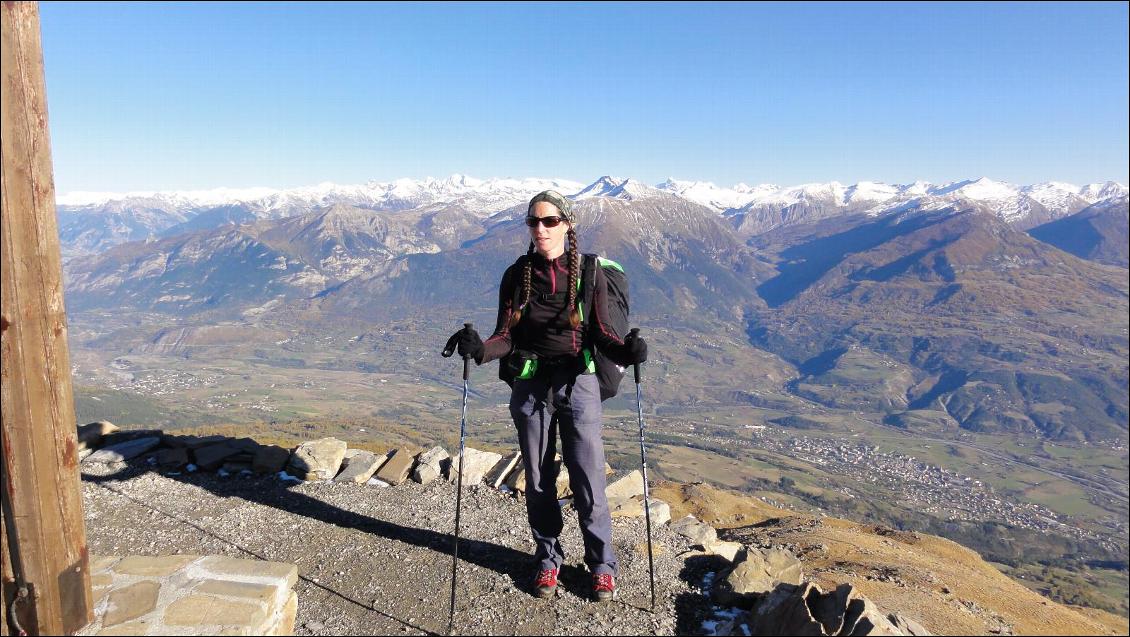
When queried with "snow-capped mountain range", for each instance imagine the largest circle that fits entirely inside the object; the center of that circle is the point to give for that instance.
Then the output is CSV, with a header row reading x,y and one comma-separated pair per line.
x,y
475,194
1009,199
496,194
93,221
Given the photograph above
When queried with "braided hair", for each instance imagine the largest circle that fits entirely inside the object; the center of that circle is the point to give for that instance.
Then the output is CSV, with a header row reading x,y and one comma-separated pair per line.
x,y
574,276
526,271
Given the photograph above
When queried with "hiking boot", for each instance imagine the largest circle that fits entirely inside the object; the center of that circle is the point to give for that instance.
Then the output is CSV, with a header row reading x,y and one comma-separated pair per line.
x,y
545,585
603,587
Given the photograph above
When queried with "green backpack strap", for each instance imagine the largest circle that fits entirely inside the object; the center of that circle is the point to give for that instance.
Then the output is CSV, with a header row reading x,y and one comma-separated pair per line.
x,y
588,276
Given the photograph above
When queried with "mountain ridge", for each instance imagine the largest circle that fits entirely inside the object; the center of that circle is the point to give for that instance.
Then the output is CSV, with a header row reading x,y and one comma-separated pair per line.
x,y
90,222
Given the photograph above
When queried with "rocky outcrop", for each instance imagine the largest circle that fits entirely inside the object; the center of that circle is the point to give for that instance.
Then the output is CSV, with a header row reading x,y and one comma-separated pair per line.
x,y
756,572
806,610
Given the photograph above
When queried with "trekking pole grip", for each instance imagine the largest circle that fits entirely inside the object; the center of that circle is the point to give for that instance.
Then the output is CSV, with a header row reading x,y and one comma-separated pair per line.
x,y
467,359
636,366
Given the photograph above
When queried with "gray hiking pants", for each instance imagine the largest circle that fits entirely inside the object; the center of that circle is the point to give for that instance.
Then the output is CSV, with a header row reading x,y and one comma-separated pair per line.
x,y
575,400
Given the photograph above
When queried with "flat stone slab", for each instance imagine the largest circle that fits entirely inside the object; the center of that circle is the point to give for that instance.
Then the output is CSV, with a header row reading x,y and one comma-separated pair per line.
x,y
192,595
697,532
192,443
172,458
633,508
496,477
223,567
475,465
270,459
318,459
124,450
359,467
209,610
212,457
395,470
728,550
247,590
130,602
626,487
160,566
127,435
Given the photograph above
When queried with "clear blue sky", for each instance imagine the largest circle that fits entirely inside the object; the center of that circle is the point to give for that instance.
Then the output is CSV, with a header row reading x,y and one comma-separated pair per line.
x,y
179,96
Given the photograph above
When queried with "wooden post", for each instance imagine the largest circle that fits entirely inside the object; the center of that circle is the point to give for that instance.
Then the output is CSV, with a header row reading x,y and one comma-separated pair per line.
x,y
40,466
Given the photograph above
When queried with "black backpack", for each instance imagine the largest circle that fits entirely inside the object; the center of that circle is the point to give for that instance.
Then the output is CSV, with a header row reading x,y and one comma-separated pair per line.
x,y
608,373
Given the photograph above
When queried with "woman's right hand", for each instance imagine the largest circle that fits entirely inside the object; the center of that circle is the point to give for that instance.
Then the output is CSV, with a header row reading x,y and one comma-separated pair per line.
x,y
467,342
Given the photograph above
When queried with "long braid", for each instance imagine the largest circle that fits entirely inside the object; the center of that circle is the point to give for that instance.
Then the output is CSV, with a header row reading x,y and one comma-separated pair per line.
x,y
526,286
574,276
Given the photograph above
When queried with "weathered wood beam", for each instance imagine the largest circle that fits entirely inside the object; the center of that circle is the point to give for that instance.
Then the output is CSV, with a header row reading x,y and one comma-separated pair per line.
x,y
40,464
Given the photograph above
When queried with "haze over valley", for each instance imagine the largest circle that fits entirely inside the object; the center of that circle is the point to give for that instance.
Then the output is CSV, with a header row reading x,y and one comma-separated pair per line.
x,y
950,358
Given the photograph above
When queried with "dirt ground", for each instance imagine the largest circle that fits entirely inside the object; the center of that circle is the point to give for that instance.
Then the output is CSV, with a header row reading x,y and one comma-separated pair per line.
x,y
377,560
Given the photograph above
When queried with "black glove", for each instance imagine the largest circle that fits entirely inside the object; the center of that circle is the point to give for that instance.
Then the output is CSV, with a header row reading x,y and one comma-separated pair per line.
x,y
468,343
635,349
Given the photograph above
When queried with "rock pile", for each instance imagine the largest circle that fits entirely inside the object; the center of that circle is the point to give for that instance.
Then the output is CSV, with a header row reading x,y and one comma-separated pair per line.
x,y
766,587
331,459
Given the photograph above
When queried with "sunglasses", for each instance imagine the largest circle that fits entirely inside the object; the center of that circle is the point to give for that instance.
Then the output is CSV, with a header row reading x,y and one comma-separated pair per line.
x,y
552,221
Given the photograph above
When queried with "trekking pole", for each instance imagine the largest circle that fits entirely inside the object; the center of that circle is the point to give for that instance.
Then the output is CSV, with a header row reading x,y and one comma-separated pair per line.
x,y
459,481
646,498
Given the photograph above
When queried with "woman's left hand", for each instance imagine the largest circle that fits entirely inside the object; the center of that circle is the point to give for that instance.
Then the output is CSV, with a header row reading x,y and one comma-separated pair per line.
x,y
635,349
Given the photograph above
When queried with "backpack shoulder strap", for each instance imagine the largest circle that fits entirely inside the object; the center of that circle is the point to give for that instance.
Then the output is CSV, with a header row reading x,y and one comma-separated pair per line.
x,y
517,295
588,279
609,263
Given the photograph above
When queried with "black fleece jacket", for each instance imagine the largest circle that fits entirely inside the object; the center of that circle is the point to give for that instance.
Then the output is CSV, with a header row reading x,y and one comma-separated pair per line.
x,y
544,327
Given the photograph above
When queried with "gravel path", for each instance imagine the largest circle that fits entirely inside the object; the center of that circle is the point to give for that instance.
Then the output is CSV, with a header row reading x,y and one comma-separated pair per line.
x,y
375,560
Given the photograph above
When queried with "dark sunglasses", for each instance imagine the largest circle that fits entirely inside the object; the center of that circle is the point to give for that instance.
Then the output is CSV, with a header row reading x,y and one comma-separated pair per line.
x,y
551,221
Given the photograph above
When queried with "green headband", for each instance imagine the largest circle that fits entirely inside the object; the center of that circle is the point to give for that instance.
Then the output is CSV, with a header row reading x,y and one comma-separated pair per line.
x,y
558,200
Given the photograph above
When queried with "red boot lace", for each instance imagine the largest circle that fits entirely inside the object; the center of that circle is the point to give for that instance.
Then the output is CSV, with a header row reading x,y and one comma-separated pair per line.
x,y
603,582
547,577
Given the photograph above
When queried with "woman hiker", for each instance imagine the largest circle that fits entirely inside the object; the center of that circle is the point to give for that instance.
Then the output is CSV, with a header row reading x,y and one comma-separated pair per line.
x,y
546,325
